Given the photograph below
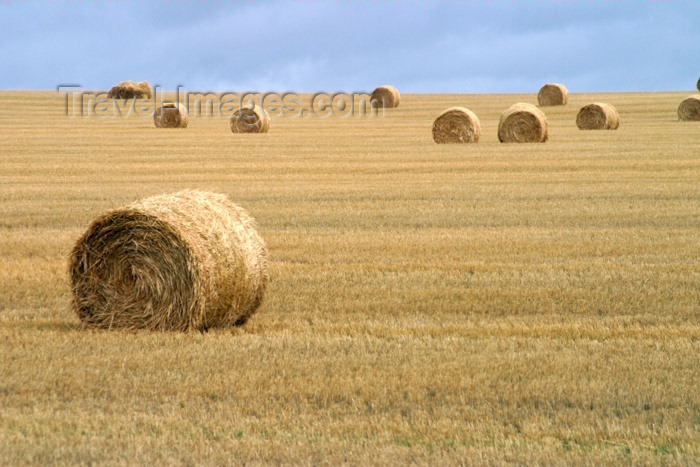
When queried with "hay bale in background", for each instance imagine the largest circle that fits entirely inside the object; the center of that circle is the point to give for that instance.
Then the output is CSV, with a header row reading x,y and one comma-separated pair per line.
x,y
598,116
689,109
387,97
185,261
247,120
130,89
698,84
522,123
553,94
456,125
171,115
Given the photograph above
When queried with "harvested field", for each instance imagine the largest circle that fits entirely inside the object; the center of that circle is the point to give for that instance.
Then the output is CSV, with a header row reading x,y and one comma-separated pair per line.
x,y
427,303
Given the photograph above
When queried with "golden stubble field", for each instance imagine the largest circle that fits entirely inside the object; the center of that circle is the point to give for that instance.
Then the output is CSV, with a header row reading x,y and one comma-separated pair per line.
x,y
429,303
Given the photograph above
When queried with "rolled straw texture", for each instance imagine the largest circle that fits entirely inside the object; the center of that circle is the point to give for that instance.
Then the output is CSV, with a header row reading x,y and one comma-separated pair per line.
x,y
386,96
247,120
130,89
598,116
689,109
171,115
191,260
523,123
553,94
456,125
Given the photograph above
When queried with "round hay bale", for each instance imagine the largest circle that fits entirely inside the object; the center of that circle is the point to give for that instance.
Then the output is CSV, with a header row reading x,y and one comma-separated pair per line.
x,y
130,89
171,115
456,125
247,120
522,123
598,116
689,109
553,94
387,97
185,261
698,84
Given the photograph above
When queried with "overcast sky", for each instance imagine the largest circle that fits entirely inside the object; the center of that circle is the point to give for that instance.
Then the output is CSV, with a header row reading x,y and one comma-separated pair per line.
x,y
472,46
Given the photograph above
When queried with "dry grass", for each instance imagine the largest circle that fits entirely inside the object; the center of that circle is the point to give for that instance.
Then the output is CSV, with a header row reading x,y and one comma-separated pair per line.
x,y
429,303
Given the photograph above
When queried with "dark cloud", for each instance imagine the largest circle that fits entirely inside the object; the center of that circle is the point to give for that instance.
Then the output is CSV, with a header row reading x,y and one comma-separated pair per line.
x,y
438,46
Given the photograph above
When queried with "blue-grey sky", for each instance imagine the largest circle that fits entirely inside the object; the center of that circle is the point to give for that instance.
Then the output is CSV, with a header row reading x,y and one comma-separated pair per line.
x,y
472,46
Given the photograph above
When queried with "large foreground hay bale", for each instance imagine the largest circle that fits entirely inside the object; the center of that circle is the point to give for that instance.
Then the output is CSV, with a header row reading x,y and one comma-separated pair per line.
x,y
522,123
689,109
185,261
598,116
553,94
247,120
171,115
130,89
387,97
456,125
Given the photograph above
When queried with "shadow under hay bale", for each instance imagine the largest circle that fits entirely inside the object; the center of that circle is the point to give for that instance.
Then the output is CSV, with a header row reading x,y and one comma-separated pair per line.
x,y
552,94
523,123
191,260
130,90
598,116
689,109
456,125
387,97
171,115
248,120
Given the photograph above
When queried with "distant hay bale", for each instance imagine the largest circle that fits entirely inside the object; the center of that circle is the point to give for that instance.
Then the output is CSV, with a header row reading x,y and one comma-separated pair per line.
x,y
247,120
523,123
598,116
191,260
698,84
171,115
553,94
130,90
385,96
689,109
456,125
